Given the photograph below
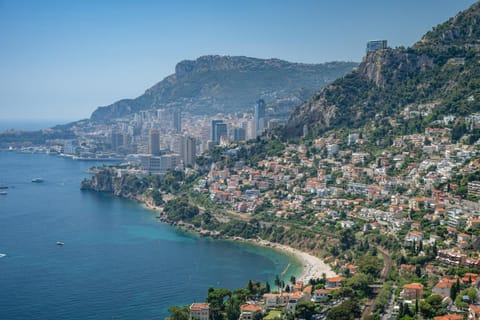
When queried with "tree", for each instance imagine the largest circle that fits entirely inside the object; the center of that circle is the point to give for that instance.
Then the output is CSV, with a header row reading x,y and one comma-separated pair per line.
x,y
370,265
232,308
277,281
347,239
216,298
179,313
360,282
347,310
156,197
305,310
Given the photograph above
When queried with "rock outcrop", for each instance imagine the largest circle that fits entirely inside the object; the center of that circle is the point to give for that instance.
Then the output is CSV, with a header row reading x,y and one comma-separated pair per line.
x,y
441,69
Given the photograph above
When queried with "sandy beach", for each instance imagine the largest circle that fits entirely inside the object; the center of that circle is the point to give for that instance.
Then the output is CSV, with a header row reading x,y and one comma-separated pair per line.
x,y
313,267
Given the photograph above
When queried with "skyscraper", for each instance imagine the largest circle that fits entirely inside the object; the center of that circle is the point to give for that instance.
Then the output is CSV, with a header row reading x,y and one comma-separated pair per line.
x,y
219,129
177,120
259,116
118,140
239,134
154,142
189,151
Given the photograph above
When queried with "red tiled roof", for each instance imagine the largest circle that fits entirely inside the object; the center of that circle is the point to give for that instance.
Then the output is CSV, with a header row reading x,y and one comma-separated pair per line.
x,y
199,306
449,317
335,279
416,286
250,308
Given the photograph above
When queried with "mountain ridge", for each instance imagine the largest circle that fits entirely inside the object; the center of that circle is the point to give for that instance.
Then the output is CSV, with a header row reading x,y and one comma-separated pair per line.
x,y
214,83
440,69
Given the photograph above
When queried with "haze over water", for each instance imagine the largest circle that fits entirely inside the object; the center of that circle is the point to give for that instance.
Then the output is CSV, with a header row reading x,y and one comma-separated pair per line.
x,y
118,261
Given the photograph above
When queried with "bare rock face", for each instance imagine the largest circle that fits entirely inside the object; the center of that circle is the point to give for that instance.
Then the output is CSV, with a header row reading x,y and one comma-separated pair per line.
x,y
390,79
107,181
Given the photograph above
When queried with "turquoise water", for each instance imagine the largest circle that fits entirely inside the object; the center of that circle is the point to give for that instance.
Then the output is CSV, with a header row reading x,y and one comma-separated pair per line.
x,y
118,261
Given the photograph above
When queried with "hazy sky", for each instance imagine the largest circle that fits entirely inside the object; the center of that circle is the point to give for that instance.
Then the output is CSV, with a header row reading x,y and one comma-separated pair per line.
x,y
61,59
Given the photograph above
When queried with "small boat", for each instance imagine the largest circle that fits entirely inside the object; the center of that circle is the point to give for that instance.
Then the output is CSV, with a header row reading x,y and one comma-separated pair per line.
x,y
59,243
37,180
2,255
3,187
3,193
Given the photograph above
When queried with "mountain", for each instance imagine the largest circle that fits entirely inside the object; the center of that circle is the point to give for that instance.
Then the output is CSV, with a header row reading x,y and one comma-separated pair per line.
x,y
438,75
213,84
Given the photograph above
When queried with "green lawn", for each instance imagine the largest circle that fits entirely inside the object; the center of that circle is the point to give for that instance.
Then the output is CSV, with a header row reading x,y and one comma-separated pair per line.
x,y
273,314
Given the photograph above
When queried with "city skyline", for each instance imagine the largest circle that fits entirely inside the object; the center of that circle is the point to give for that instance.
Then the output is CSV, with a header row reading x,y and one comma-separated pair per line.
x,y
61,60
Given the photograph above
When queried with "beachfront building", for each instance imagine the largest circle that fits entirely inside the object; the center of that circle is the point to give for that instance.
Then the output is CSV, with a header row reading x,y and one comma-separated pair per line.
x,y
334,282
200,311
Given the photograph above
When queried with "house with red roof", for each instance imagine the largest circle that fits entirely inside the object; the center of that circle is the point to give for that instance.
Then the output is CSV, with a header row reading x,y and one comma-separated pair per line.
x,y
473,312
412,291
250,311
334,282
449,317
200,311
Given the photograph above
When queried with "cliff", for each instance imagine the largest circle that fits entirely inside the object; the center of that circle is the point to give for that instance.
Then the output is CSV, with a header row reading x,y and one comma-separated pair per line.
x,y
106,180
441,69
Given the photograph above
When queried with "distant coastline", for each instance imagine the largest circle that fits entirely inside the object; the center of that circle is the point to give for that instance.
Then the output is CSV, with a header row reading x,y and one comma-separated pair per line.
x,y
28,125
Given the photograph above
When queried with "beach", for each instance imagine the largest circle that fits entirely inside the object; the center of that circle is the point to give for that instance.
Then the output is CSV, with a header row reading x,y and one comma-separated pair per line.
x,y
312,267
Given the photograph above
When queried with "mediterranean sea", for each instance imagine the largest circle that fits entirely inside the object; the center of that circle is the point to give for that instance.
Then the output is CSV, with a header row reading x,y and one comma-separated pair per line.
x,y
117,262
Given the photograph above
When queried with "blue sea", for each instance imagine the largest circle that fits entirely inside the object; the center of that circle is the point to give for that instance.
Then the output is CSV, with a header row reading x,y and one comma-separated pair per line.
x,y
117,262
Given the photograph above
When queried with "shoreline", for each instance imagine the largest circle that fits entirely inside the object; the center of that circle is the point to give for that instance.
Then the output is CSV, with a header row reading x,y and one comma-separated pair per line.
x,y
312,266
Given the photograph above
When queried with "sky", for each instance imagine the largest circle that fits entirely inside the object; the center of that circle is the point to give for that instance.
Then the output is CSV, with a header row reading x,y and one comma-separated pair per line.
x,y
60,60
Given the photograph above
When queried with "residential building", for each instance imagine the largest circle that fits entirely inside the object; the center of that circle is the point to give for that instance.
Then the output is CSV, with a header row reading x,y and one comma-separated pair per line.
x,y
250,311
189,151
334,282
239,134
473,312
154,142
375,45
200,311
474,188
219,129
177,120
412,291
159,164
259,116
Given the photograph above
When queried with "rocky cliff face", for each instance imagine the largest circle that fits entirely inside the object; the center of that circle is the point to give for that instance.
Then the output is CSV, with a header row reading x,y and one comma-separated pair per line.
x,y
390,66
107,181
388,80
461,30
212,84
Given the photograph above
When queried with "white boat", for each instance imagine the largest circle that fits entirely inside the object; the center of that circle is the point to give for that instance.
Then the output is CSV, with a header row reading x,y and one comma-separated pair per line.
x,y
3,193
59,243
2,255
37,180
